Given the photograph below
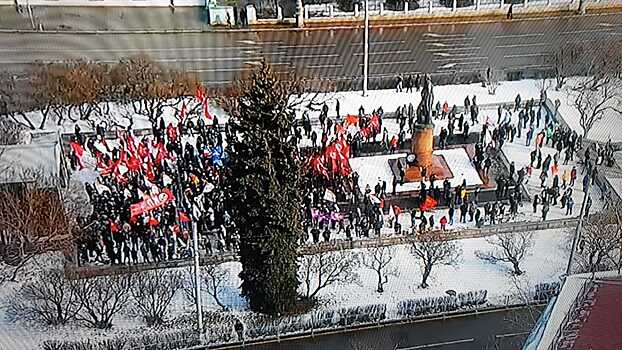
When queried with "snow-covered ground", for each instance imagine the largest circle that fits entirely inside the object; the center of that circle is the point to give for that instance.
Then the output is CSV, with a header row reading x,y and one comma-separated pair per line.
x,y
371,169
545,263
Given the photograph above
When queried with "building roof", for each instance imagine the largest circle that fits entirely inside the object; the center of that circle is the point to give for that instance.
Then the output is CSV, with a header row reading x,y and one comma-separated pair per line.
x,y
27,163
601,328
587,314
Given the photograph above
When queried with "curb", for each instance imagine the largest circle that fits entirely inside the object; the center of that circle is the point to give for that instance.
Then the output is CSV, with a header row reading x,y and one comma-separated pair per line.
x,y
368,326
351,23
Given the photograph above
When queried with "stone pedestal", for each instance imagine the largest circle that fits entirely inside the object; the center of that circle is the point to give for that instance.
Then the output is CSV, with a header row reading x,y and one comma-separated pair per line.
x,y
422,144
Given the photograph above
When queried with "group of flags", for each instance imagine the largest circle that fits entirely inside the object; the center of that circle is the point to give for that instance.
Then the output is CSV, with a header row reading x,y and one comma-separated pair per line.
x,y
202,98
334,160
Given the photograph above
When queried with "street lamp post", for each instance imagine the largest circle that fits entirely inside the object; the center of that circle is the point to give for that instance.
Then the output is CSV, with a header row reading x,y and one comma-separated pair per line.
x,y
366,49
195,246
577,232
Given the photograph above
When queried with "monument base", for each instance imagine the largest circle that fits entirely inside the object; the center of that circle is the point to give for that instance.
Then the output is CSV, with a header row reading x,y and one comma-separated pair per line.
x,y
413,173
422,144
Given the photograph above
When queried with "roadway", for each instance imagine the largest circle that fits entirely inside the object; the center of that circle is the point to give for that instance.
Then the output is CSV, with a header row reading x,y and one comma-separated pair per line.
x,y
220,57
506,330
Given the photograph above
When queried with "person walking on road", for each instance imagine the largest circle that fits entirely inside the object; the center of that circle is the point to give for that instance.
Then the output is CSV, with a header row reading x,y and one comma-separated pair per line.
x,y
510,12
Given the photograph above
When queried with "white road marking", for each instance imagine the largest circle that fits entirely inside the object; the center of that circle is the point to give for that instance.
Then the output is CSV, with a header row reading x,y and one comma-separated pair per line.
x,y
434,345
435,40
446,54
254,52
269,42
249,42
507,335
516,36
389,63
450,59
448,65
537,54
451,65
521,45
326,66
314,56
455,49
436,35
604,30
306,46
381,43
384,53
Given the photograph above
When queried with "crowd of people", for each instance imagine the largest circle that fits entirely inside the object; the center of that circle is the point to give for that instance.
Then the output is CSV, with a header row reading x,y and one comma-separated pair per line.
x,y
189,159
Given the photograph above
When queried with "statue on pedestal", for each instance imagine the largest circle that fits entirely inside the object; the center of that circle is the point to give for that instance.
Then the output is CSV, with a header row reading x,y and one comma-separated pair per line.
x,y
424,111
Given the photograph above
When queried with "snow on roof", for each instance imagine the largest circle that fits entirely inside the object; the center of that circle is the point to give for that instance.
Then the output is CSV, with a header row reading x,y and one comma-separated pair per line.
x,y
27,163
570,291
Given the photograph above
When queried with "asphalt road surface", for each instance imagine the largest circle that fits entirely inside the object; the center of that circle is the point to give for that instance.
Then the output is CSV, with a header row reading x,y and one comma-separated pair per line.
x,y
505,330
219,58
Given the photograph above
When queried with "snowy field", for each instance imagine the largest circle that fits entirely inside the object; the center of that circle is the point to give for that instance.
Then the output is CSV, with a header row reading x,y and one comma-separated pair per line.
x,y
545,263
373,169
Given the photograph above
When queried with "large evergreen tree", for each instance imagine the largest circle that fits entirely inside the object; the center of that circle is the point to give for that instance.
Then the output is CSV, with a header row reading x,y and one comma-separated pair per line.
x,y
264,190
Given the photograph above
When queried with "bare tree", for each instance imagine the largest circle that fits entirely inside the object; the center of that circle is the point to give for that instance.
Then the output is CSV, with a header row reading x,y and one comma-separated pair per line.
x,y
149,86
102,298
594,97
12,104
50,298
32,220
318,271
433,249
153,291
600,241
215,278
566,60
510,247
10,131
490,80
379,259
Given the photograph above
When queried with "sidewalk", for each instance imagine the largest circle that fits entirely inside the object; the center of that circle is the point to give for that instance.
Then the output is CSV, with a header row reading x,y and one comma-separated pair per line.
x,y
194,19
106,18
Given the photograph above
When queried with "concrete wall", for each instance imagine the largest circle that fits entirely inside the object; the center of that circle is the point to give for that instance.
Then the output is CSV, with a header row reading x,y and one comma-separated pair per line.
x,y
107,3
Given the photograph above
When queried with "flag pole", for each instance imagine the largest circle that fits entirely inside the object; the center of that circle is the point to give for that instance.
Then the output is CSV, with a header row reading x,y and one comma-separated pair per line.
x,y
366,49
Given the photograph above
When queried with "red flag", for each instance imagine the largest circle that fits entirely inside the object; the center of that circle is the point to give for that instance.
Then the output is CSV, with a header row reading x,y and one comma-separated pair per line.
x,y
183,113
397,210
153,222
352,119
162,153
339,129
171,132
143,151
374,123
149,171
131,144
393,141
152,202
428,204
200,94
133,164
206,110
77,149
183,217
317,164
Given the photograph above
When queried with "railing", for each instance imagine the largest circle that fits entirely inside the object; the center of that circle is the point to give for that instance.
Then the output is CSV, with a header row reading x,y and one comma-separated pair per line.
x,y
426,7
76,271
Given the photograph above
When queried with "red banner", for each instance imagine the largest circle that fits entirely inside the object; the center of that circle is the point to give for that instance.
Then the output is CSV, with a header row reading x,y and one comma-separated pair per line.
x,y
152,202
